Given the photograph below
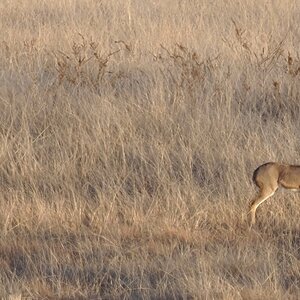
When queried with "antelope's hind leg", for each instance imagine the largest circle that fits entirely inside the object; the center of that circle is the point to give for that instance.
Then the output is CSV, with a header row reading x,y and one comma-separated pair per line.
x,y
264,194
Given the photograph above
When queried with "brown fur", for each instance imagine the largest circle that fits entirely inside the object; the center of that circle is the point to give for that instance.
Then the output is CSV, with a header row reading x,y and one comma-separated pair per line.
x,y
268,177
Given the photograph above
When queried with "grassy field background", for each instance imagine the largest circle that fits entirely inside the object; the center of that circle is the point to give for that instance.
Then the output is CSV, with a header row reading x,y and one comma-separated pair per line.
x,y
129,131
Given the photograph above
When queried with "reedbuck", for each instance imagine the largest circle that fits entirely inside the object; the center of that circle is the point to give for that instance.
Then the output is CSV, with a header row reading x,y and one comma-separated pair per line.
x,y
268,177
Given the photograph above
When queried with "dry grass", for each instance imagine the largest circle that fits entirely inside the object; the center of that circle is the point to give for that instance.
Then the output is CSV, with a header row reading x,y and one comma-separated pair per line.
x,y
128,136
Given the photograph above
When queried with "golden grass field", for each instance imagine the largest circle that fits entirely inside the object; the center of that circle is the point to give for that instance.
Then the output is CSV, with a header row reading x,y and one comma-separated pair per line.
x,y
129,132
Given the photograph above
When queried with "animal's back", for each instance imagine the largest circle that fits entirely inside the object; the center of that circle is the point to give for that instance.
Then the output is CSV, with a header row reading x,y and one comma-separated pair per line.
x,y
290,177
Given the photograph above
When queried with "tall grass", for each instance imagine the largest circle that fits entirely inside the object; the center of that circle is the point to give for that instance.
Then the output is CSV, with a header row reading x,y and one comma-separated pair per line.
x,y
129,132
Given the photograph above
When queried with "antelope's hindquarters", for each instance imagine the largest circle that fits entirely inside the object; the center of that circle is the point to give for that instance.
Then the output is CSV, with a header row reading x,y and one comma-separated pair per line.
x,y
266,178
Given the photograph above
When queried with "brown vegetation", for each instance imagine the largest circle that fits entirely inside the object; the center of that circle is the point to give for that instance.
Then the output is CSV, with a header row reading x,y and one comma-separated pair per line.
x,y
129,131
